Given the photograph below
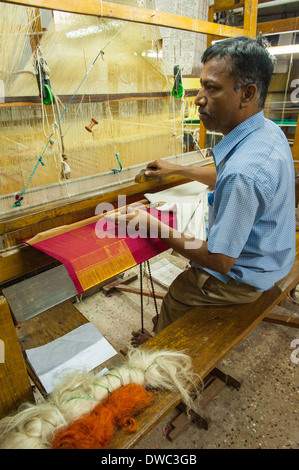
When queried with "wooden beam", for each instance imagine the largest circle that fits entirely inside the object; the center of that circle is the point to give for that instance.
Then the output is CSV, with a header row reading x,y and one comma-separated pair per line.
x,y
93,98
225,5
202,136
211,38
278,26
136,290
21,260
250,17
283,320
133,14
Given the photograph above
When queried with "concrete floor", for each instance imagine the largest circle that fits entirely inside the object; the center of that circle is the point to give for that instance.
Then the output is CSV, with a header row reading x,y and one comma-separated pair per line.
x,y
262,414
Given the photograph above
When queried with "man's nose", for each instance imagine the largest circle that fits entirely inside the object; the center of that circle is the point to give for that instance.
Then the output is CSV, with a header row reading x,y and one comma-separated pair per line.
x,y
200,99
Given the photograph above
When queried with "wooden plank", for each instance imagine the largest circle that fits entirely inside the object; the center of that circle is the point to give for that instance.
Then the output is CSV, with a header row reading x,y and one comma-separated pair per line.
x,y
133,14
18,104
15,386
278,26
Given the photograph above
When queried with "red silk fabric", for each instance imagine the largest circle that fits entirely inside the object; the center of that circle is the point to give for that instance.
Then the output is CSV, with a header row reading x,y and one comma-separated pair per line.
x,y
91,259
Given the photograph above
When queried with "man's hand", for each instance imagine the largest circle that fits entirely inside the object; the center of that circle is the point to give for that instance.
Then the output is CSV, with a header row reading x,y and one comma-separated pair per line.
x,y
134,218
161,168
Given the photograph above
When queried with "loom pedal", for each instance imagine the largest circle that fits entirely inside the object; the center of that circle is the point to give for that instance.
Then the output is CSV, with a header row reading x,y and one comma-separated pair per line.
x,y
120,280
213,384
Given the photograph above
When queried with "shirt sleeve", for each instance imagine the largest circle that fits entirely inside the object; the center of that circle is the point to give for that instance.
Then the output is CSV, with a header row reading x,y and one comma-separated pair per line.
x,y
238,204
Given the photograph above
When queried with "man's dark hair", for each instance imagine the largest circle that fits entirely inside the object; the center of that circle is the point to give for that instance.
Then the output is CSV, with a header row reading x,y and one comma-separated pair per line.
x,y
250,62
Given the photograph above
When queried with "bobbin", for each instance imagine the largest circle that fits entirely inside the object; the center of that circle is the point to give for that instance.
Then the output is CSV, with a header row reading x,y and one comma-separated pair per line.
x,y
92,123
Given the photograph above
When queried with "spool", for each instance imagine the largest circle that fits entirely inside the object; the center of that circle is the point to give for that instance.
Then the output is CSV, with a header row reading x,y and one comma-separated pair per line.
x,y
92,123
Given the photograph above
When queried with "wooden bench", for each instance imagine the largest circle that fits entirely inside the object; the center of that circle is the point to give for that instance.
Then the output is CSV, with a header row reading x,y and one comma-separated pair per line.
x,y
207,335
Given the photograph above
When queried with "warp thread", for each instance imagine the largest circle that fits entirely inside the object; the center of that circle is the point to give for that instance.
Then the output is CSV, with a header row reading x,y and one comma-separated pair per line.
x,y
34,425
96,429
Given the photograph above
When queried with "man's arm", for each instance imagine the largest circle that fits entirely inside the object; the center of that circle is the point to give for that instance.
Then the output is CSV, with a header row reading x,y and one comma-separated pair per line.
x,y
193,249
205,175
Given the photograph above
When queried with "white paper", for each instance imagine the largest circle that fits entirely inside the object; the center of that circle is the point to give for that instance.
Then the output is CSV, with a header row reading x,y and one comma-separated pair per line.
x,y
165,272
190,202
82,349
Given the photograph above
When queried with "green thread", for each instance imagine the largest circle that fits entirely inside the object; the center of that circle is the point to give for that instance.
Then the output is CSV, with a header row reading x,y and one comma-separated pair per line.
x,y
88,397
148,367
103,386
119,164
118,377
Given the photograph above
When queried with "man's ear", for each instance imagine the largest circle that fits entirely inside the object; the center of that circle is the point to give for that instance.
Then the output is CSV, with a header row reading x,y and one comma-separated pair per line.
x,y
249,94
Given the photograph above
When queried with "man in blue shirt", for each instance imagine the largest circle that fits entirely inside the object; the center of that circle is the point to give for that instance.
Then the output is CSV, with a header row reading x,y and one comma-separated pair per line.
x,y
251,234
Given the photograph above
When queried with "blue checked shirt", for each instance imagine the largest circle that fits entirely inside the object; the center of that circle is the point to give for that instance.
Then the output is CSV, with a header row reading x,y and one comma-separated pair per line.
x,y
252,211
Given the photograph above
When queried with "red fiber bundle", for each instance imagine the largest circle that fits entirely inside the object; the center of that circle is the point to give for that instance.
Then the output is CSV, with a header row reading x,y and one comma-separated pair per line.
x,y
95,429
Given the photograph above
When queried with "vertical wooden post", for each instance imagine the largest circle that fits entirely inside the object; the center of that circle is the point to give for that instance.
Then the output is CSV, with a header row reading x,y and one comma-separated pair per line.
x,y
15,386
202,136
202,130
211,19
250,17
295,148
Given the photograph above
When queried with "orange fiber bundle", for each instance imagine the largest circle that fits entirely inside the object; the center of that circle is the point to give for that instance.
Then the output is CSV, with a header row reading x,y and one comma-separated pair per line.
x,y
95,430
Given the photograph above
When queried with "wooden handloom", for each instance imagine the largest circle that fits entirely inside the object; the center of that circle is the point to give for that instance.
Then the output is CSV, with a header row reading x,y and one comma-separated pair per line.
x,y
19,261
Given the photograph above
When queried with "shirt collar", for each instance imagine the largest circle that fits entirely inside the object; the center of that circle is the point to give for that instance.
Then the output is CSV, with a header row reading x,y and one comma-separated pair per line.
x,y
228,142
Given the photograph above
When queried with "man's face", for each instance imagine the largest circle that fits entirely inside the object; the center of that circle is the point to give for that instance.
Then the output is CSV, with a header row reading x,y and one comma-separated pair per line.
x,y
218,102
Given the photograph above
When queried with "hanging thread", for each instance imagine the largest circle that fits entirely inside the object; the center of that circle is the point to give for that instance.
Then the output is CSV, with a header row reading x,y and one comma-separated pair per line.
x,y
141,299
101,53
114,170
152,286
